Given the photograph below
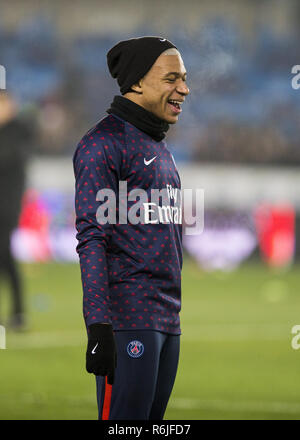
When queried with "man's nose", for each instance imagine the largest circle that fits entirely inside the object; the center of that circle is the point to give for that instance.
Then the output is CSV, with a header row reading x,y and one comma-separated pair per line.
x,y
183,89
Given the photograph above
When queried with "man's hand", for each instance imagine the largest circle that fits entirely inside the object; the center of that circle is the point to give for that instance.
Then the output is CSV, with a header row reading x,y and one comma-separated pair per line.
x,y
101,354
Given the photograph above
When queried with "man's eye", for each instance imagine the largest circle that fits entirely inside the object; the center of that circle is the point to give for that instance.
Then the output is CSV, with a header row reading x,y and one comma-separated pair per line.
x,y
172,80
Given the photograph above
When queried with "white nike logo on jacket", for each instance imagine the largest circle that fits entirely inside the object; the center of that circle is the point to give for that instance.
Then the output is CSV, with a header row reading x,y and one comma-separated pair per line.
x,y
147,162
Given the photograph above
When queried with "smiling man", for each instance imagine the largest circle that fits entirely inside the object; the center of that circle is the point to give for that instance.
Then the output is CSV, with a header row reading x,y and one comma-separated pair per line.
x,y
163,88
131,272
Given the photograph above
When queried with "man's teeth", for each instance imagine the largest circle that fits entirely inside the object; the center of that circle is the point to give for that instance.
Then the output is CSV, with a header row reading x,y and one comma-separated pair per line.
x,y
176,103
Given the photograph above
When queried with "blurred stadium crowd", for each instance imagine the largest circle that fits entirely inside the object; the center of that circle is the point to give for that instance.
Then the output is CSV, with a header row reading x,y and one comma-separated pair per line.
x,y
242,108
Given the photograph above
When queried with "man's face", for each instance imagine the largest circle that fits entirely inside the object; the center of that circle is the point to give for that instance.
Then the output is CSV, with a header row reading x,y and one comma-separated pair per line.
x,y
165,81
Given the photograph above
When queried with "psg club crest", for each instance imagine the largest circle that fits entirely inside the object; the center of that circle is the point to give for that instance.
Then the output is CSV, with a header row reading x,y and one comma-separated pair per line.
x,y
135,349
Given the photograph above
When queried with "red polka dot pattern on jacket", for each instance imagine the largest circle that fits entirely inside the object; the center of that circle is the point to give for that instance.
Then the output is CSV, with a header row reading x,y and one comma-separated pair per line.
x,y
131,273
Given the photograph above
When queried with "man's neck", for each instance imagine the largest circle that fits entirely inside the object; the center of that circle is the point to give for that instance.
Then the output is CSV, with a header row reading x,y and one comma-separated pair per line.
x,y
134,97
131,111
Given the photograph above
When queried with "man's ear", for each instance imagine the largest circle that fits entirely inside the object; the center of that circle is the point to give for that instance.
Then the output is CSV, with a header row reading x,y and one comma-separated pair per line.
x,y
137,88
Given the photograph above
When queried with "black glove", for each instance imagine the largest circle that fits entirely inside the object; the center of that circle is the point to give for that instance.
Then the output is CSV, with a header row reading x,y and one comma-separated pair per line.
x,y
101,354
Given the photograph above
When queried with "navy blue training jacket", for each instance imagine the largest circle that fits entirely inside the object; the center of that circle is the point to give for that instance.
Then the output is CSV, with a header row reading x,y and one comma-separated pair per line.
x,y
131,273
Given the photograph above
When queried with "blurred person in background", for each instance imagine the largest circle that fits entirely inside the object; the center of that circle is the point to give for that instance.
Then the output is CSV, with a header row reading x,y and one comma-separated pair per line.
x,y
15,140
131,273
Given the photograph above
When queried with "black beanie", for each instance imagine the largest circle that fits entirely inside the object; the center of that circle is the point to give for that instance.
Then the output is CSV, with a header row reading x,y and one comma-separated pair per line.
x,y
130,60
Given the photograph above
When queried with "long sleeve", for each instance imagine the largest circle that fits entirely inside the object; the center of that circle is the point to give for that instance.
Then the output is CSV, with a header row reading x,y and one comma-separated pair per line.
x,y
96,165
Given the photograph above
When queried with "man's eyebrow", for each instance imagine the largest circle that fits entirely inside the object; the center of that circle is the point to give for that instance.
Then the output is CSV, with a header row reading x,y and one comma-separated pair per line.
x,y
177,74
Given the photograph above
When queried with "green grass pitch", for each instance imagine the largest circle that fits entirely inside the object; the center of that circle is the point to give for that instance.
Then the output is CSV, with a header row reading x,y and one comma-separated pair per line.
x,y
236,358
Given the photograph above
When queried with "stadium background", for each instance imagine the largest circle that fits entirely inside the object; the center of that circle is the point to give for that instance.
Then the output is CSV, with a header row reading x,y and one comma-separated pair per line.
x,y
237,138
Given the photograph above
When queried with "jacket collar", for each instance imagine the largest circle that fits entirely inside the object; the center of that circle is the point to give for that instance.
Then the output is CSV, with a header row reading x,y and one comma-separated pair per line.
x,y
139,117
